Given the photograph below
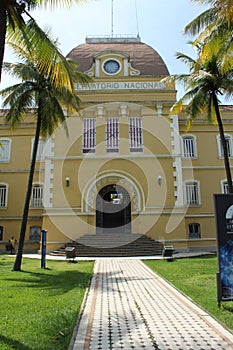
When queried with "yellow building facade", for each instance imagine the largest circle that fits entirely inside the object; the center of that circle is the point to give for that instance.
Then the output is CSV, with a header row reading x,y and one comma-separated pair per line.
x,y
126,166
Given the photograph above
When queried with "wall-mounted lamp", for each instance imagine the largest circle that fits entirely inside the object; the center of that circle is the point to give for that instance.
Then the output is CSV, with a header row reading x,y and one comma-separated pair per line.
x,y
67,181
159,180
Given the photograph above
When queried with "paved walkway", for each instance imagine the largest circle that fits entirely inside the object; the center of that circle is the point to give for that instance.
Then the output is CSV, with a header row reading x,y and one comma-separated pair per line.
x,y
130,307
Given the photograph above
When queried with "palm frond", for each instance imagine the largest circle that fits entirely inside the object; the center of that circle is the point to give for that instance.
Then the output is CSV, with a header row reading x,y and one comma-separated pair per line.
x,y
198,104
203,2
58,3
19,100
15,18
195,108
181,104
44,54
201,21
219,37
20,71
227,86
189,61
181,79
228,95
52,114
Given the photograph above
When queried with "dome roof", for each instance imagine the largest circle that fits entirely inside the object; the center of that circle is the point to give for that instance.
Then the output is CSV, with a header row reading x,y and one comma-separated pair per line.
x,y
141,56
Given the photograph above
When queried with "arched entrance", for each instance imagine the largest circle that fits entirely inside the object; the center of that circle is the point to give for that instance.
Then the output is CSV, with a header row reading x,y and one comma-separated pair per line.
x,y
113,210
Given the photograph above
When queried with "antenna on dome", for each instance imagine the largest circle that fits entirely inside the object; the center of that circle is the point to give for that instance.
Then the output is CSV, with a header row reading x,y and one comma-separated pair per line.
x,y
112,21
136,11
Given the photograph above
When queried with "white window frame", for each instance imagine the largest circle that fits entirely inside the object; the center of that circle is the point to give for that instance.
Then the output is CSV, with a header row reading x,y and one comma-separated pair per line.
x,y
224,187
3,197
40,156
135,134
229,145
37,196
111,59
192,193
189,149
5,149
112,134
89,135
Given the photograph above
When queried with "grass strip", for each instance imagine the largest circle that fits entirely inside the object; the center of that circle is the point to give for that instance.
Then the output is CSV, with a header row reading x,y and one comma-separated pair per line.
x,y
39,307
196,278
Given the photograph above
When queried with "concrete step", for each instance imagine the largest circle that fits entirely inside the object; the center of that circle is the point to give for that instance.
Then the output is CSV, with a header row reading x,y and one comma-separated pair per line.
x,y
118,244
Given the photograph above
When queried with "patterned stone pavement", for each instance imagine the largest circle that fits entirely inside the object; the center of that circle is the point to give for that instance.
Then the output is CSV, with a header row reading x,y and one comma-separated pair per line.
x,y
130,307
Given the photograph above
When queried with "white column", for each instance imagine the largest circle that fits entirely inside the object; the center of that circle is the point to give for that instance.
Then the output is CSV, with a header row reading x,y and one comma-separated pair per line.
x,y
97,68
48,185
177,164
126,67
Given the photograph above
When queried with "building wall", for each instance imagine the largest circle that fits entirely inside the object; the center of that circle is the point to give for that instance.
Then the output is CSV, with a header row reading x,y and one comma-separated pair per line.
x,y
155,178
67,216
14,173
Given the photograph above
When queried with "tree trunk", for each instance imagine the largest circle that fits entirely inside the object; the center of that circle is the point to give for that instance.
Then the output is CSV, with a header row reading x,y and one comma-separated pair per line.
x,y
3,24
18,260
224,145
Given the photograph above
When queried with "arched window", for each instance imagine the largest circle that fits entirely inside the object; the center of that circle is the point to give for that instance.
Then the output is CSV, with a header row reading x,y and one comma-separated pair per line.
x,y
3,195
5,150
192,193
194,230
35,233
189,146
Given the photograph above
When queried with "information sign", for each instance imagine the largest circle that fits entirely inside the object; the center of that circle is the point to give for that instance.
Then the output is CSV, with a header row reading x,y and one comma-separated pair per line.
x,y
224,226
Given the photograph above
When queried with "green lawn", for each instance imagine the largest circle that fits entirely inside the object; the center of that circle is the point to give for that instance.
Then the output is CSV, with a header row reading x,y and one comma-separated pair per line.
x,y
196,278
39,307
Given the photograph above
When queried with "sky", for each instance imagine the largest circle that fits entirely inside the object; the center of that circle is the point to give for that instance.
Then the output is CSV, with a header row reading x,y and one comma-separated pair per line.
x,y
159,23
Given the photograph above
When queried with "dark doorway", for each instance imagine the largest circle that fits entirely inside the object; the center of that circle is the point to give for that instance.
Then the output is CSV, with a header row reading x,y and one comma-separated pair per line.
x,y
113,210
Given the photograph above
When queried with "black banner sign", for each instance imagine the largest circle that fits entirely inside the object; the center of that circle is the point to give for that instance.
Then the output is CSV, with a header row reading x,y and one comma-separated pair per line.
x,y
224,225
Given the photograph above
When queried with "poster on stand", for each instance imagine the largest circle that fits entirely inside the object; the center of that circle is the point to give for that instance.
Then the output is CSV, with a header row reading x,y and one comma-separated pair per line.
x,y
224,226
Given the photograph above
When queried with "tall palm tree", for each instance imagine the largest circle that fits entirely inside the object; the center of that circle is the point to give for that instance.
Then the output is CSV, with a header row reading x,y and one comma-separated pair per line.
x,y
48,97
15,14
204,83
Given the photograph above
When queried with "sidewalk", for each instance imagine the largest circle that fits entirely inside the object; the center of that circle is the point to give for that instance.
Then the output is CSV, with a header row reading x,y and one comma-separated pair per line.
x,y
154,257
130,307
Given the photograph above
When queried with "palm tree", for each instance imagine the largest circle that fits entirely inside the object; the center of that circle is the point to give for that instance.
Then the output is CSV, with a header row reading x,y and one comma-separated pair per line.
x,y
13,14
203,85
48,96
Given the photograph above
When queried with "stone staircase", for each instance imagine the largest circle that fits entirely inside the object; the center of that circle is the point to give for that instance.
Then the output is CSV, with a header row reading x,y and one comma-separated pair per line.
x,y
113,245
